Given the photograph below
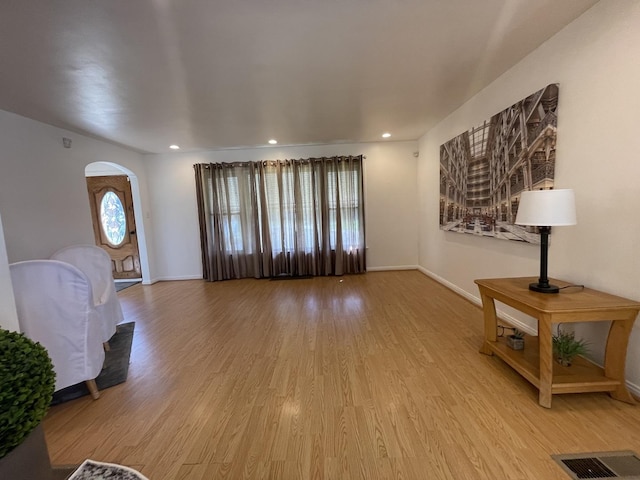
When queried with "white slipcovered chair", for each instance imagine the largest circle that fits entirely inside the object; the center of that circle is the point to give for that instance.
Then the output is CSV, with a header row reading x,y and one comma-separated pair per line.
x,y
55,307
96,264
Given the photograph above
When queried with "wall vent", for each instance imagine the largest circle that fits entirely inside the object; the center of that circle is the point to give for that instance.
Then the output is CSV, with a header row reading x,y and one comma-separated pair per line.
x,y
624,465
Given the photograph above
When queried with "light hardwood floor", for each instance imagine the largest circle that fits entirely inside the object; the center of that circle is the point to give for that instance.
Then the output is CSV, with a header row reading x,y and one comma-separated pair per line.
x,y
360,377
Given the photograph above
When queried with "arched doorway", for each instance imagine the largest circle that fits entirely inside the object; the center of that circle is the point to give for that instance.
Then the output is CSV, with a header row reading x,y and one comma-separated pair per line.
x,y
117,239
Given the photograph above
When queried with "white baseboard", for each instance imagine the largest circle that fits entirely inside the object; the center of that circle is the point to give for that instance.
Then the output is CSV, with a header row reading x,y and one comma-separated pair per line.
x,y
633,388
451,286
172,278
388,269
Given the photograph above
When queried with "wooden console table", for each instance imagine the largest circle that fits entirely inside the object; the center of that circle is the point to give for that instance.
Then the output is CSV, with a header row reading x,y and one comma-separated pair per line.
x,y
535,362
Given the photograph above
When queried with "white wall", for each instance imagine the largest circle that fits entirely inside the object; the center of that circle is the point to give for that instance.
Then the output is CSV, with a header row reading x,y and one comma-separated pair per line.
x,y
8,315
595,60
390,208
43,192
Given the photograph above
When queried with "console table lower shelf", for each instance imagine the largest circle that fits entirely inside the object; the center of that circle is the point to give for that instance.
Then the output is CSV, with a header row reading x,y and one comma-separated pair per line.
x,y
536,362
582,377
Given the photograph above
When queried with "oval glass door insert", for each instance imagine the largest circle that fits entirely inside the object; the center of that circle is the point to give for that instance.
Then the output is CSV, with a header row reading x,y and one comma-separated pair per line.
x,y
112,218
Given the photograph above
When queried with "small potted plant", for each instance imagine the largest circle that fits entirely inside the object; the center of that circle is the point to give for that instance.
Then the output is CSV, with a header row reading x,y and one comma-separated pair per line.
x,y
566,347
516,339
27,381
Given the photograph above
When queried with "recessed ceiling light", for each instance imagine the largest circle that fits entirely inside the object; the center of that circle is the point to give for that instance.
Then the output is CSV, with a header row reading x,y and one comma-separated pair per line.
x,y
386,135
174,147
273,141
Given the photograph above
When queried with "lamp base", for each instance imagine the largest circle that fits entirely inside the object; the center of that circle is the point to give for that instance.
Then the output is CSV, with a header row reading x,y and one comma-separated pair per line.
x,y
544,288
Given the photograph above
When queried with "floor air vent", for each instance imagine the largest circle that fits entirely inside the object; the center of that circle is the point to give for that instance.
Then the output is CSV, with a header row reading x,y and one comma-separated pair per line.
x,y
624,465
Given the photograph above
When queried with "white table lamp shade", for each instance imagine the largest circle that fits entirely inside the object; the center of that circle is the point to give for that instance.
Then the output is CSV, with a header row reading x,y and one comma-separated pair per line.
x,y
548,208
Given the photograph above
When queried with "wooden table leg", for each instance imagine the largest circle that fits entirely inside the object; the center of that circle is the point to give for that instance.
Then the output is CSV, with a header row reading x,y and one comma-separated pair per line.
x,y
546,360
490,322
616,355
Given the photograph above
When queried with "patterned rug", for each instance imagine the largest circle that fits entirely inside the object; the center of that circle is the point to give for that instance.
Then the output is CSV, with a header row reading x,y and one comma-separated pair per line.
x,y
92,470
114,371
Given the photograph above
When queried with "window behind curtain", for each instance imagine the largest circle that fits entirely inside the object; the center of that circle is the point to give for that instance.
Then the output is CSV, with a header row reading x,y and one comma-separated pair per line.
x,y
272,217
230,204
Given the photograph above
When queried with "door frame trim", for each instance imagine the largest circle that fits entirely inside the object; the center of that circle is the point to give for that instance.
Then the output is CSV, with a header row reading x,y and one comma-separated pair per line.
x,y
137,212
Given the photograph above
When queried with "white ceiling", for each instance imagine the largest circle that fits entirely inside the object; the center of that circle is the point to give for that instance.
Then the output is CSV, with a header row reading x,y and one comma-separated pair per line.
x,y
211,74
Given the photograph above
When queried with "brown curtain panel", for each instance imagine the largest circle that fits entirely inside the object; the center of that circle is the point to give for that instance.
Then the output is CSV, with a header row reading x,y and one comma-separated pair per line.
x,y
293,217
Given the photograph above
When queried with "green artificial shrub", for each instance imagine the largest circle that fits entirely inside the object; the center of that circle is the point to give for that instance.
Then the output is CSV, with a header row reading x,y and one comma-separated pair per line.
x,y
27,381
